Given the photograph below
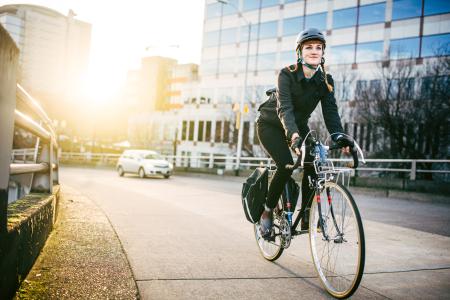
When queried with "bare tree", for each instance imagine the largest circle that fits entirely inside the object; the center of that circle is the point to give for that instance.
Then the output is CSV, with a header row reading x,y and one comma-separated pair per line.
x,y
410,107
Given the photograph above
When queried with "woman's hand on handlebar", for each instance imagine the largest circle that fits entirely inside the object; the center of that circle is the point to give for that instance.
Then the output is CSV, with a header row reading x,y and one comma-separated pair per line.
x,y
296,142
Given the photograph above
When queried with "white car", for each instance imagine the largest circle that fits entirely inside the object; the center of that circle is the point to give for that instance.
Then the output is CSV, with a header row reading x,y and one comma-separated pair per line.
x,y
143,163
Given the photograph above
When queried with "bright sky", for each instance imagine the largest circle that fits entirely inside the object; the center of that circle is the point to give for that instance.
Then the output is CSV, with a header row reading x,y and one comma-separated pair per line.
x,y
122,30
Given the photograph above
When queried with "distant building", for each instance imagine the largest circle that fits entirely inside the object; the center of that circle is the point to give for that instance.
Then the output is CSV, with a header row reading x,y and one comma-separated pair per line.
x,y
54,51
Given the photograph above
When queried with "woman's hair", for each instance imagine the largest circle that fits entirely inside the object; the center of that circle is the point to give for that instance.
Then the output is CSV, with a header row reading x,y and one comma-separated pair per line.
x,y
329,86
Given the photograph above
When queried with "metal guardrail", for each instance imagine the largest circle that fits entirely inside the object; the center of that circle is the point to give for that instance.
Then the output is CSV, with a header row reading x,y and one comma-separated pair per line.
x,y
229,162
35,169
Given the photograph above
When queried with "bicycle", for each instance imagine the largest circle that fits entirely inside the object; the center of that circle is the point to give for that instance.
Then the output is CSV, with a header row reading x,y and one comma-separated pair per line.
x,y
336,242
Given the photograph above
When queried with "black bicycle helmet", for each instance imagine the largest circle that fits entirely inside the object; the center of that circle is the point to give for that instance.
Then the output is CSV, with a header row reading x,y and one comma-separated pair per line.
x,y
310,34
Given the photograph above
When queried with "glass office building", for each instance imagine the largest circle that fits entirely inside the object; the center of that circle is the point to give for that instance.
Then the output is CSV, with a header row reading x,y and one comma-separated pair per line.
x,y
361,35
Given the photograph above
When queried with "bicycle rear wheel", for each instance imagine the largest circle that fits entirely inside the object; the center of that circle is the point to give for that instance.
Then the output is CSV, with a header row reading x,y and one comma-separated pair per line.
x,y
339,251
271,250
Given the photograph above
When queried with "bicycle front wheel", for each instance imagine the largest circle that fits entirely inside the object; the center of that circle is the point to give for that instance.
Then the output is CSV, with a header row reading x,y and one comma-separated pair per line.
x,y
337,247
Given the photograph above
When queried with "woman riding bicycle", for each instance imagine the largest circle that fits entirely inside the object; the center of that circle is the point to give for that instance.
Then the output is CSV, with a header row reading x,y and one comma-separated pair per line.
x,y
300,88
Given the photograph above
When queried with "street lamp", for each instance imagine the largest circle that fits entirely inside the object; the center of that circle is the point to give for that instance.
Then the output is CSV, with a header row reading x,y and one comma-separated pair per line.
x,y
241,105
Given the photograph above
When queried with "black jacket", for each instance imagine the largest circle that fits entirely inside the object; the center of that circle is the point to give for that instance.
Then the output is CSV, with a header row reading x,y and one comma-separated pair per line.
x,y
296,98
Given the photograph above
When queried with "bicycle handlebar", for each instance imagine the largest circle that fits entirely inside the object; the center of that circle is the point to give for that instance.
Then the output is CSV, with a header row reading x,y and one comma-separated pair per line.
x,y
353,150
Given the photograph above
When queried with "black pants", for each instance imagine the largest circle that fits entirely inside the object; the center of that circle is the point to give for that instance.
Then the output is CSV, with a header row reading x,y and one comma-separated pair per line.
x,y
273,141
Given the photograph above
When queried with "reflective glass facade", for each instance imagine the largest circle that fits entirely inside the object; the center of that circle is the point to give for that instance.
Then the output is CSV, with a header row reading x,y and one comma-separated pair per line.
x,y
318,21
343,54
366,52
403,9
433,7
268,30
292,26
369,14
436,44
404,48
344,17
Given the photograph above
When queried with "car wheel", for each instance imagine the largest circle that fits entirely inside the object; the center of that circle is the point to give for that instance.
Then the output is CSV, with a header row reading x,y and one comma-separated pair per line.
x,y
120,171
166,176
141,172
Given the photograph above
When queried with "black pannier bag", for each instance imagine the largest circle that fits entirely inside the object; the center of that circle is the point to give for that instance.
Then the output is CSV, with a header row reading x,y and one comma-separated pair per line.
x,y
254,193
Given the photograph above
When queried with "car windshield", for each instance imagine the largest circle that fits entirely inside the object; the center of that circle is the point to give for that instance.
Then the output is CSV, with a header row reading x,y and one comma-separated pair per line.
x,y
151,156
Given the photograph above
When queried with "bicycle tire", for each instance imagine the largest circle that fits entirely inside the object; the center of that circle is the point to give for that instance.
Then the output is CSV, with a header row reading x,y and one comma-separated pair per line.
x,y
351,243
271,251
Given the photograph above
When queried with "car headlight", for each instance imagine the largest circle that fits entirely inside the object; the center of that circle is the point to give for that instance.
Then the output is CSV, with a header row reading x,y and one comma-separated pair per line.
x,y
170,166
149,165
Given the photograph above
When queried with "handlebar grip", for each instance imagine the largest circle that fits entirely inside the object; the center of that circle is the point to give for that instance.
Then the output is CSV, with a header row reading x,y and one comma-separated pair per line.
x,y
354,152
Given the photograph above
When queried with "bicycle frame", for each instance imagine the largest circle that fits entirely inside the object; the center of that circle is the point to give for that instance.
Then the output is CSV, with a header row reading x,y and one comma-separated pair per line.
x,y
317,184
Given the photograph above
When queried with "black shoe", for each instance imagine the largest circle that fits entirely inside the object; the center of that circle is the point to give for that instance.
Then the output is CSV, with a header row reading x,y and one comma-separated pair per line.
x,y
265,225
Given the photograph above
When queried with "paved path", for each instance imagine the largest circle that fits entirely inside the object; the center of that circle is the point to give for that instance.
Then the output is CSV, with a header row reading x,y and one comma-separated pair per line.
x,y
186,237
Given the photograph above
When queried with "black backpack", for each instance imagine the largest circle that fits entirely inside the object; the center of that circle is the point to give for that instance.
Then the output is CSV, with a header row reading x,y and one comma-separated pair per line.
x,y
254,193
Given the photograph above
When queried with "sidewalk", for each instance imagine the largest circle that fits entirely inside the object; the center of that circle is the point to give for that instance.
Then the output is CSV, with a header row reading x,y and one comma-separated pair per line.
x,y
82,259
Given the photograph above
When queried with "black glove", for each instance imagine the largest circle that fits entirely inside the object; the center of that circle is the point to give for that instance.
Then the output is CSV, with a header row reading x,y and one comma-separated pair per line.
x,y
296,143
343,140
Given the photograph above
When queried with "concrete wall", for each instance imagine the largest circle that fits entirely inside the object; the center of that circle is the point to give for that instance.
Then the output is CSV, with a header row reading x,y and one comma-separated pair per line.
x,y
30,221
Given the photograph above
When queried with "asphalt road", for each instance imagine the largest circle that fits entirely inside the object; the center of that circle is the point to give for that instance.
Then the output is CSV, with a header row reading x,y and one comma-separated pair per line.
x,y
186,237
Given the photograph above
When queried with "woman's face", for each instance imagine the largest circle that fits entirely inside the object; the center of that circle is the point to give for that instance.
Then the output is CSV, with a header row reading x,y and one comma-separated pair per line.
x,y
312,52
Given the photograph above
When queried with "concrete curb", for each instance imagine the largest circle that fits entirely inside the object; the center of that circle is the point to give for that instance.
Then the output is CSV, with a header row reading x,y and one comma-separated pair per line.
x,y
82,259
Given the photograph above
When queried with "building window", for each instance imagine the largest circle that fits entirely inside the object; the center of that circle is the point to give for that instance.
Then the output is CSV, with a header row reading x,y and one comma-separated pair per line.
x,y
403,9
344,18
211,39
433,45
290,1
213,10
266,61
361,87
191,130
369,52
318,21
343,54
292,26
208,131
369,14
401,90
228,36
184,131
218,134
229,9
226,132
433,7
251,5
201,124
268,30
404,48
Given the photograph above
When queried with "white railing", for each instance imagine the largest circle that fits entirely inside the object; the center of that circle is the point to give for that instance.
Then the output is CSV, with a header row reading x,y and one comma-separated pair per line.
x,y
230,162
33,169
